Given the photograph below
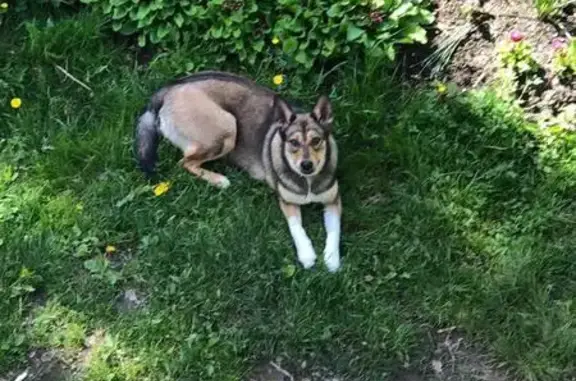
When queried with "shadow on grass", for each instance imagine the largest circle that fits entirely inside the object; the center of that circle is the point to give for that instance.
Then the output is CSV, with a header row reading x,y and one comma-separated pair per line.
x,y
450,219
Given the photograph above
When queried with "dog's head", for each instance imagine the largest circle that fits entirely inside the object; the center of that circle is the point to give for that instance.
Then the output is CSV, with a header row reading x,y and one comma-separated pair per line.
x,y
305,136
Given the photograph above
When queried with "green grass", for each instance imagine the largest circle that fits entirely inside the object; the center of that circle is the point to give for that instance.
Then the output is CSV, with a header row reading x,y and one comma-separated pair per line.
x,y
456,212
547,8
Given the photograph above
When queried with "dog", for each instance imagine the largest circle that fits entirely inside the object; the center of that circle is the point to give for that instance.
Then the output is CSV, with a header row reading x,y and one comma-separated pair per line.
x,y
211,115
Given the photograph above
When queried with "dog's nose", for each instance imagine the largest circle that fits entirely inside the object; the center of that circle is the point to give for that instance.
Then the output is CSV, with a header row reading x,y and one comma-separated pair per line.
x,y
307,166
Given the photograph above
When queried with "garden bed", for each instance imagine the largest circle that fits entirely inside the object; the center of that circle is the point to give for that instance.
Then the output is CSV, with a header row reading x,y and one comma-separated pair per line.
x,y
472,33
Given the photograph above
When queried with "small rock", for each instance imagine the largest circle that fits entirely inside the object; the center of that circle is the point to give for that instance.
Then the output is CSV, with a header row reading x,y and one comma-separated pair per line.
x,y
22,376
437,366
129,301
47,356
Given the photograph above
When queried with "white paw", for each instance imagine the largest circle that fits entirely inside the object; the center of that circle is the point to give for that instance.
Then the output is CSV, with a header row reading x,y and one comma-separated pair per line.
x,y
306,255
332,260
223,182
332,252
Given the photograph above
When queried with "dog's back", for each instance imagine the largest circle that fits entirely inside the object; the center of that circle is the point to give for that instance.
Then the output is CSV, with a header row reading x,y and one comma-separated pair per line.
x,y
212,112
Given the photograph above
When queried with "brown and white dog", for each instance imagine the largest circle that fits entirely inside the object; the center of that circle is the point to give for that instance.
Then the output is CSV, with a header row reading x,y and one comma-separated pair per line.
x,y
211,115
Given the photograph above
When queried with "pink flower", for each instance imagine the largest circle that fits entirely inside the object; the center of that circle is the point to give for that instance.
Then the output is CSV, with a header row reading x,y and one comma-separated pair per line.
x,y
558,43
516,36
376,17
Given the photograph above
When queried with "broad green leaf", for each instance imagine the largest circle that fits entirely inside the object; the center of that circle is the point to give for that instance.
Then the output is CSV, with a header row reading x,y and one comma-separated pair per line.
x,y
216,32
426,16
107,8
179,20
401,11
353,32
334,10
191,10
96,265
153,36
390,52
328,47
289,270
163,31
128,28
253,8
141,40
112,277
302,58
237,17
289,45
258,45
120,13
143,11
416,33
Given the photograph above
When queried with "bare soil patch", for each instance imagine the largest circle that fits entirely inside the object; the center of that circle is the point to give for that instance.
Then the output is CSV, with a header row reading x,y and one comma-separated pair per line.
x,y
450,357
474,59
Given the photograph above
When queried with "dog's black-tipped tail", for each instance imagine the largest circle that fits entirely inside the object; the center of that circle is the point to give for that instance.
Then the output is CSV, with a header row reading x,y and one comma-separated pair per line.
x,y
146,140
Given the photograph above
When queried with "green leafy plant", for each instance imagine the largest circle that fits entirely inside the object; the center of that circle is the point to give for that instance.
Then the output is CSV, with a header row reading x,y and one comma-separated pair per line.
x,y
249,30
564,120
110,361
518,70
55,325
99,268
564,60
25,5
518,56
25,284
547,8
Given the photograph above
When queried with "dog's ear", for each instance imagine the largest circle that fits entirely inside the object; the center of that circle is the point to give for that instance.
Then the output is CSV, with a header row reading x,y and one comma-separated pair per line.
x,y
283,113
322,112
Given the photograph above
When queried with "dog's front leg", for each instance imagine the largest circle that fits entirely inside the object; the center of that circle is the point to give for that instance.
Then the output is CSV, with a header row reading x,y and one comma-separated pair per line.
x,y
304,248
332,222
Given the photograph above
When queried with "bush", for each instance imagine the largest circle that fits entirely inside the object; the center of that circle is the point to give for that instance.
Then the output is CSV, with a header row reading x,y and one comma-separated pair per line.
x,y
244,30
28,5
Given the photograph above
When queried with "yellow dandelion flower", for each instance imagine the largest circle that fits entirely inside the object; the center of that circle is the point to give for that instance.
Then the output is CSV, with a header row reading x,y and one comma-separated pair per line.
x,y
110,249
275,40
441,88
161,188
3,6
278,79
16,103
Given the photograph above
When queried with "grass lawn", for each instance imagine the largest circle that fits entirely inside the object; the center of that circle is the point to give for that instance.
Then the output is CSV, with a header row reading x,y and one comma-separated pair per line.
x,y
456,212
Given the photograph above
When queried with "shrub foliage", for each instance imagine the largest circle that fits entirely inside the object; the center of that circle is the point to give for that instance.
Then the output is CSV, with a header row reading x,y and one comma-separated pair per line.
x,y
299,32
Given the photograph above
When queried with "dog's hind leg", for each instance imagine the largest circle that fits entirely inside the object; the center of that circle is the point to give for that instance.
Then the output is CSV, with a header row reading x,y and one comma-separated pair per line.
x,y
196,155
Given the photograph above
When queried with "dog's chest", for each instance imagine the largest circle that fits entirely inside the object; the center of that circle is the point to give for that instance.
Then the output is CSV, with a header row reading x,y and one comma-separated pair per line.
x,y
301,199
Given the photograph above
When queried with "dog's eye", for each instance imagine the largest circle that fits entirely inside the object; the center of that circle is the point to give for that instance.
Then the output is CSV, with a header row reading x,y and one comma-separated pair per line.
x,y
315,142
294,143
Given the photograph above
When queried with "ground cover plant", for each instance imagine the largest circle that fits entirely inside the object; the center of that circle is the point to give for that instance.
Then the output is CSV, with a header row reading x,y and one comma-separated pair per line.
x,y
508,46
301,33
550,8
458,212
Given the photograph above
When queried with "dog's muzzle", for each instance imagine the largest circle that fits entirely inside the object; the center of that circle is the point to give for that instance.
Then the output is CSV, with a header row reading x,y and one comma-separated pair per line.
x,y
307,167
